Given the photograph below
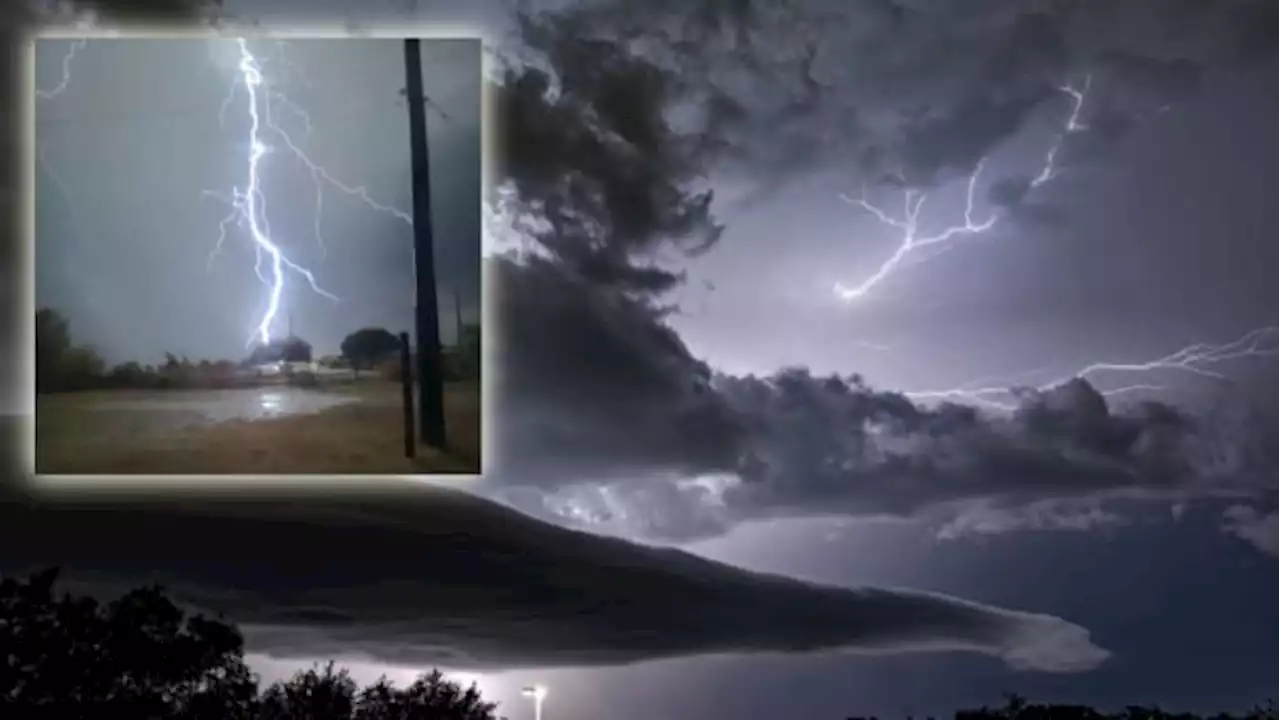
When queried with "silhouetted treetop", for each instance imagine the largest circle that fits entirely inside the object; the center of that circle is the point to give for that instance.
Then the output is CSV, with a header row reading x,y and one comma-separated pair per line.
x,y
366,347
141,656
138,656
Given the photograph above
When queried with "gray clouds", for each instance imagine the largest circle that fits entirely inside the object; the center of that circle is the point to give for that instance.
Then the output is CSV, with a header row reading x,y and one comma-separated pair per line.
x,y
914,90
1253,527
616,424
606,418
592,383
595,387
589,152
429,575
837,444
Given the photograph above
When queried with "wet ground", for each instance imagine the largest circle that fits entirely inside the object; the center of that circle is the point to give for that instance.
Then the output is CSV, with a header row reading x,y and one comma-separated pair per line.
x,y
353,428
141,418
179,410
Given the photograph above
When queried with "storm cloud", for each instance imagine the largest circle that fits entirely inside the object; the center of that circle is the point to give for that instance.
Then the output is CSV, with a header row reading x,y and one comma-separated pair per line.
x,y
901,90
604,417
1253,527
591,383
414,576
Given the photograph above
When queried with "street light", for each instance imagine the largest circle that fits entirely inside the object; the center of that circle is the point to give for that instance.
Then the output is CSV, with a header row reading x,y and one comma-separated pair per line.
x,y
538,693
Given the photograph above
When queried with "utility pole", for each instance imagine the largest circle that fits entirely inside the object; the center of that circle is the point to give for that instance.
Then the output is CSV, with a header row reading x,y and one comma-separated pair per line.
x,y
457,316
406,396
427,311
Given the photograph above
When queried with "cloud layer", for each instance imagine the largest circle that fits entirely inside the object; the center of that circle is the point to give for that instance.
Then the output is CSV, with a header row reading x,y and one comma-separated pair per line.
x,y
1257,529
910,90
604,416
433,575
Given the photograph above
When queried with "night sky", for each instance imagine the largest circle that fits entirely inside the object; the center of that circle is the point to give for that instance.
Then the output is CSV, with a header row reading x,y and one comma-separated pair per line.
x,y
125,227
1138,525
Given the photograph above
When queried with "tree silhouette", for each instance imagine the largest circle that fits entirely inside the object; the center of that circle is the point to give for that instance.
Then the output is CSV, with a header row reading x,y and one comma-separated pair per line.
x,y
53,338
263,354
295,350
430,696
324,694
290,349
367,347
139,656
60,363
143,657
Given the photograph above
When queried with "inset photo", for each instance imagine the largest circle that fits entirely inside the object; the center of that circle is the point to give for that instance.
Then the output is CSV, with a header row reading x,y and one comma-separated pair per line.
x,y
257,256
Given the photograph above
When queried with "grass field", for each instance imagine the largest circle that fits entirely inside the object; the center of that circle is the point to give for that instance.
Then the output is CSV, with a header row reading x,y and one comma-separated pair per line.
x,y
354,428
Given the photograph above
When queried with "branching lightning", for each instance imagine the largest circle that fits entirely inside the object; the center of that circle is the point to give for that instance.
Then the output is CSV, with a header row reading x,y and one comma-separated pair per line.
x,y
913,202
42,158
248,213
248,204
1198,359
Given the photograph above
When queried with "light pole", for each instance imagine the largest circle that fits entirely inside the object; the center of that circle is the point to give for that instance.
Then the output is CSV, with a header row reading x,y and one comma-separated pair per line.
x,y
538,693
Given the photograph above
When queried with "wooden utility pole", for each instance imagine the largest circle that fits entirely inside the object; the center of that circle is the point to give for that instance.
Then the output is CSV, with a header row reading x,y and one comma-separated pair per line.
x,y
406,395
427,312
457,317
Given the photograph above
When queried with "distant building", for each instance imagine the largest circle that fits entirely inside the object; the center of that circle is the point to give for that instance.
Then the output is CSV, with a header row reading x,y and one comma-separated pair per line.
x,y
282,356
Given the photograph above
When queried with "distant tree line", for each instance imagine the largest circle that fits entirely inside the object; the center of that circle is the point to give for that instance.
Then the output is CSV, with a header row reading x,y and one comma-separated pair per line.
x,y
62,365
378,350
141,656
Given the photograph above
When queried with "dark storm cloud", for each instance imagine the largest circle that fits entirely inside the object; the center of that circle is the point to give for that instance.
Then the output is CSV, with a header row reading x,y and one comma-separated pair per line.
x,y
908,89
163,13
600,390
437,576
595,384
590,153
937,88
829,443
1253,527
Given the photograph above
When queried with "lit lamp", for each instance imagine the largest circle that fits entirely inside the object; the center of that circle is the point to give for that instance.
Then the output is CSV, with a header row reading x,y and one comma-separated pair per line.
x,y
538,693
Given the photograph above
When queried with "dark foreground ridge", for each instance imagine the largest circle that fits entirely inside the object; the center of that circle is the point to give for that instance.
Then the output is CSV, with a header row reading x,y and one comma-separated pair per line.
x,y
141,656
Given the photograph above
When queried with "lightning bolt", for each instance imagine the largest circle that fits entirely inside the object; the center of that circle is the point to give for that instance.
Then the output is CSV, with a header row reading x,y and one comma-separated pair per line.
x,y
248,205
42,158
1198,359
913,202
61,87
63,83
